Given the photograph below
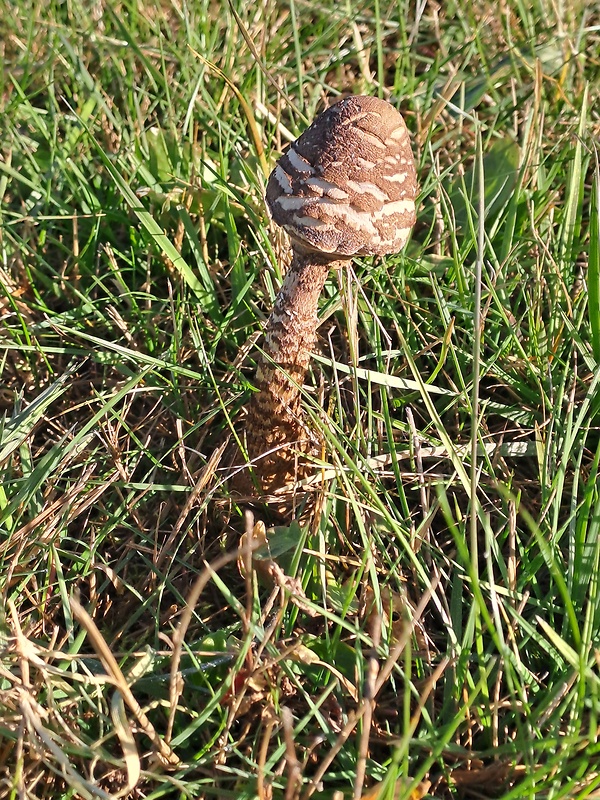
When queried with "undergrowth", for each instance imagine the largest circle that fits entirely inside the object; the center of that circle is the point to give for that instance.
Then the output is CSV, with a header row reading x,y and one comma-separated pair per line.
x,y
424,619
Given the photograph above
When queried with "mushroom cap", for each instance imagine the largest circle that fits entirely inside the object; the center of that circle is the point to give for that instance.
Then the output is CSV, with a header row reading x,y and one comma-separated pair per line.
x,y
347,185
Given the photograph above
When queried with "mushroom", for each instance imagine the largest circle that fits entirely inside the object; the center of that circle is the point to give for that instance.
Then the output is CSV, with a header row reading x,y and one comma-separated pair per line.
x,y
346,187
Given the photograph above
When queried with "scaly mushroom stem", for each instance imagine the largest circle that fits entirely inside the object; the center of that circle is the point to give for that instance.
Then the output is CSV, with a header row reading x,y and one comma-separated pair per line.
x,y
274,424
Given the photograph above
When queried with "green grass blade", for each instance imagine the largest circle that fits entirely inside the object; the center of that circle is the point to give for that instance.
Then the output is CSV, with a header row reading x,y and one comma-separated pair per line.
x,y
594,262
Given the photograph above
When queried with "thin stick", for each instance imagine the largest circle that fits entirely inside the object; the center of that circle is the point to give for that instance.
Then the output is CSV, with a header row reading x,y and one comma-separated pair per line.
x,y
369,703
291,759
175,686
385,673
114,671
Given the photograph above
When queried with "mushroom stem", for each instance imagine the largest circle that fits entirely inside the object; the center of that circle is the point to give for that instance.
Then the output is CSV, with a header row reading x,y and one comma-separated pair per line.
x,y
274,427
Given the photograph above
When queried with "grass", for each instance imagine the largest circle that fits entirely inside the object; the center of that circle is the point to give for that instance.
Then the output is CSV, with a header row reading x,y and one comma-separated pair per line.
x,y
427,624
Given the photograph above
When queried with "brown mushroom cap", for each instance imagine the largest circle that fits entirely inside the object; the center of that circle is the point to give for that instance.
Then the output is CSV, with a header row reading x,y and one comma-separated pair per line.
x,y
347,185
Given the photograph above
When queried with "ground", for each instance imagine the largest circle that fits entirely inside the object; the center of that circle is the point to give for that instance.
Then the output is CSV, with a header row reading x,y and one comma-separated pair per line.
x,y
423,618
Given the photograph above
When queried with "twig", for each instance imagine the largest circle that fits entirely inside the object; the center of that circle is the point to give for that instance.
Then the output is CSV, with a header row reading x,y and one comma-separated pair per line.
x,y
114,671
369,704
175,686
386,671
